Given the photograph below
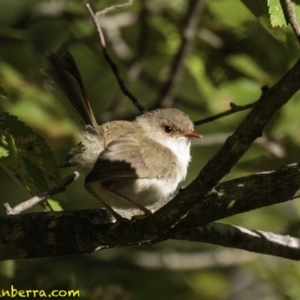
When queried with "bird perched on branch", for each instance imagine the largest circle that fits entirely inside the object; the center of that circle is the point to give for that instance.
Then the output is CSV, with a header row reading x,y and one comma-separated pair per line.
x,y
130,167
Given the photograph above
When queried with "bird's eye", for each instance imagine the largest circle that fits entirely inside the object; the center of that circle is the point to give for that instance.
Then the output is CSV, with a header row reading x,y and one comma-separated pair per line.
x,y
168,129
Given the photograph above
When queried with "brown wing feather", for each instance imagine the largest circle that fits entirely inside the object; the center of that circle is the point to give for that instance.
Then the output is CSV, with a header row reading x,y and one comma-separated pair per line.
x,y
126,158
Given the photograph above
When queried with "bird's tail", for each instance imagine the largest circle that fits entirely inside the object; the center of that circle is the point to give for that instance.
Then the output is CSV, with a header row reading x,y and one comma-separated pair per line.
x,y
63,71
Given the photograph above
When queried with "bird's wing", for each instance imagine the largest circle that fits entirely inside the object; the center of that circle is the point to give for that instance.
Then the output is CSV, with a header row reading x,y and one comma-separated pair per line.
x,y
129,157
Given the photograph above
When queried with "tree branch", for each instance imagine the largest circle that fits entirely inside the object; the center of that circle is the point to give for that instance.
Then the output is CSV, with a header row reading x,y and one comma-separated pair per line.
x,y
61,233
234,108
41,197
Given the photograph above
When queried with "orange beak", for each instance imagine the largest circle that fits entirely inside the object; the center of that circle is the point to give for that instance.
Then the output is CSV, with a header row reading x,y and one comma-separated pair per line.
x,y
193,134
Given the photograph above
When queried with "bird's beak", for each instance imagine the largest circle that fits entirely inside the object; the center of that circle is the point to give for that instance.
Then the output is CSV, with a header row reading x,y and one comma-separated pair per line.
x,y
193,134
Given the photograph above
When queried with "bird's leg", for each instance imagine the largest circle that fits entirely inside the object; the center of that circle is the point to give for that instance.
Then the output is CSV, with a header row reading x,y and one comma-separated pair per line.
x,y
118,217
91,189
146,211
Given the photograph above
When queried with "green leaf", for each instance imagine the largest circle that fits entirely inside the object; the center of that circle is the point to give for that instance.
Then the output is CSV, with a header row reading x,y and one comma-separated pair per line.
x,y
276,13
25,156
260,10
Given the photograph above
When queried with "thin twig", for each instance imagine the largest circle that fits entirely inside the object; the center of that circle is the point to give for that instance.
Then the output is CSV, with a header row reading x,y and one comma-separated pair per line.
x,y
41,197
114,7
113,66
292,17
234,108
167,94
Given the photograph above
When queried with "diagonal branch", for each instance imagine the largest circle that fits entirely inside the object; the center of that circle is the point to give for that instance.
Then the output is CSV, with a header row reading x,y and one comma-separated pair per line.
x,y
229,154
113,66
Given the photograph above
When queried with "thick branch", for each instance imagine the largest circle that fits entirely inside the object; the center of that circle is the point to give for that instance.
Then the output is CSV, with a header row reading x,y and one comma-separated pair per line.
x,y
52,234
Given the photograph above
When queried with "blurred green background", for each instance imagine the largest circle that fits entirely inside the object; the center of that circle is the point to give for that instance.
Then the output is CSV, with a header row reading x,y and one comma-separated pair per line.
x,y
234,54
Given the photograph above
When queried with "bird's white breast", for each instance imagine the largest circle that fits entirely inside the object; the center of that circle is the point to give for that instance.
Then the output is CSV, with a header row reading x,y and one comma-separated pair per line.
x,y
181,148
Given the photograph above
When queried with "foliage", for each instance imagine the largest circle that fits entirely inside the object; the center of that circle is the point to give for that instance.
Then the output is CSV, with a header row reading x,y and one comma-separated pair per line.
x,y
238,48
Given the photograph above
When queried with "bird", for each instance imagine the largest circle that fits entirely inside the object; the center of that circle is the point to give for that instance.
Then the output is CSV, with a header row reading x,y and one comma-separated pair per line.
x,y
131,167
